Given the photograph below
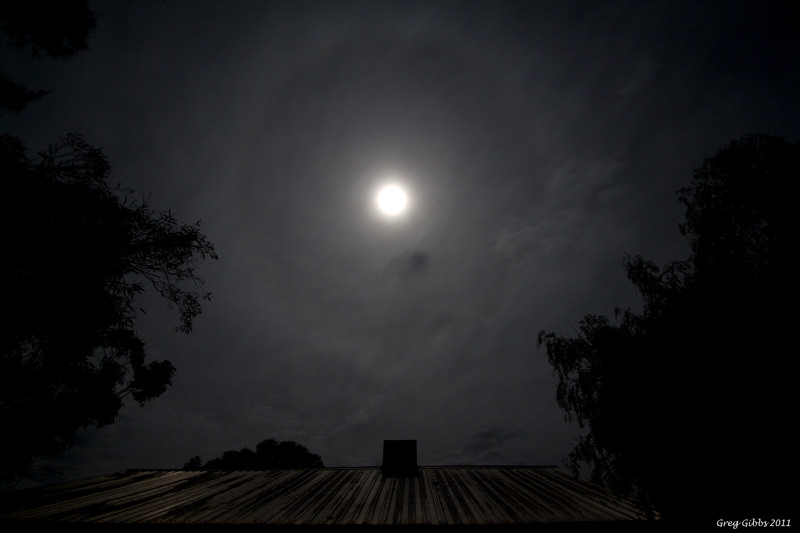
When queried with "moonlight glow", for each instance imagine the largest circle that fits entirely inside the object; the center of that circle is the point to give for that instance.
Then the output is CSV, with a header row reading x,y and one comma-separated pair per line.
x,y
391,200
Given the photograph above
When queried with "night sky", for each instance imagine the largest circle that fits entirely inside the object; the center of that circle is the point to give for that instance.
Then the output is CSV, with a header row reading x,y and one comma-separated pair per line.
x,y
538,142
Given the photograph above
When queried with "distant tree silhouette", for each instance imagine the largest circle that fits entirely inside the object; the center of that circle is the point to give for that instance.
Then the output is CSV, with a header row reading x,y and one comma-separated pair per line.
x,y
269,454
77,252
195,463
689,402
57,29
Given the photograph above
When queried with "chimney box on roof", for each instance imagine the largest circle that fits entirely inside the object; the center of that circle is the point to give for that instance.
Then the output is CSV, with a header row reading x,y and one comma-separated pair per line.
x,y
400,458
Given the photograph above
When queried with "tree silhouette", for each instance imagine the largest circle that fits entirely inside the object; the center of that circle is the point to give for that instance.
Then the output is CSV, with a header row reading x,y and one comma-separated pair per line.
x,y
47,28
77,254
269,454
57,29
14,97
688,402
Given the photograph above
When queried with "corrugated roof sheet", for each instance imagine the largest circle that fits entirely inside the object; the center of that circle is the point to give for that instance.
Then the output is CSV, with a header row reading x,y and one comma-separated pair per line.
x,y
342,496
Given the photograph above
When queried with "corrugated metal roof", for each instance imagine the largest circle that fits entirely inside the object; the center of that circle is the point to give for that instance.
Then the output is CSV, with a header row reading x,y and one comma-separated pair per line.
x,y
342,496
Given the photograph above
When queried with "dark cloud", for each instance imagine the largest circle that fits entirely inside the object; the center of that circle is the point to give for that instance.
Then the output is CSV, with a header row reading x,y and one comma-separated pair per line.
x,y
408,264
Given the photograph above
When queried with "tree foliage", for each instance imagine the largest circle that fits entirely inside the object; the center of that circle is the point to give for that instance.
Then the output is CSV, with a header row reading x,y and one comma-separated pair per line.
x,y
14,97
687,403
269,454
78,253
56,29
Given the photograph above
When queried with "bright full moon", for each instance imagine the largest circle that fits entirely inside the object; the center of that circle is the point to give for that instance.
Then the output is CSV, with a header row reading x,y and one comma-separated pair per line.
x,y
392,200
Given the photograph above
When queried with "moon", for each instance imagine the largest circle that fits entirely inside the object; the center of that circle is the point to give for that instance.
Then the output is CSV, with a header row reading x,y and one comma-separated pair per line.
x,y
391,200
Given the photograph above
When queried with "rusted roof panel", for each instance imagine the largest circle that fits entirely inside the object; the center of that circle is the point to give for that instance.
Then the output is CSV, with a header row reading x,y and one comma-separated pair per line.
x,y
342,496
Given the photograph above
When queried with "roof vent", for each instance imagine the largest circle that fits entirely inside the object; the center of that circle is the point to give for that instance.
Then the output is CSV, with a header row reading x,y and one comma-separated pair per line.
x,y
400,458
